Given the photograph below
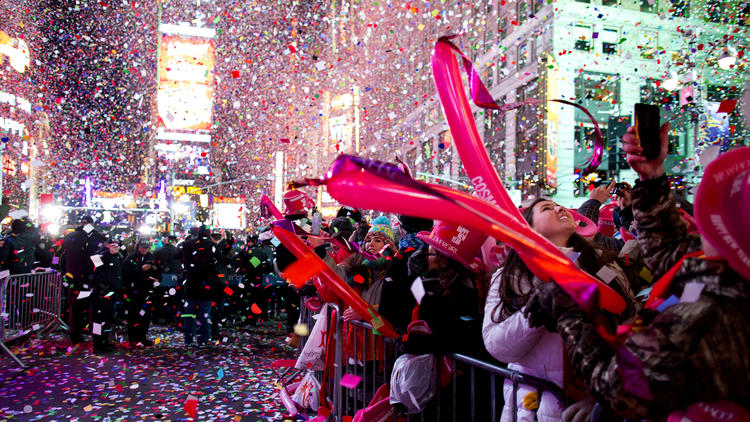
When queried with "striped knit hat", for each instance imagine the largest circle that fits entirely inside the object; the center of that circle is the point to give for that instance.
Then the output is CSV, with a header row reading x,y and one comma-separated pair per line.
x,y
381,227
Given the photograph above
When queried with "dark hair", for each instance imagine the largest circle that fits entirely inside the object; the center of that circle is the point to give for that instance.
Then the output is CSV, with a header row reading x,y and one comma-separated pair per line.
x,y
18,226
517,280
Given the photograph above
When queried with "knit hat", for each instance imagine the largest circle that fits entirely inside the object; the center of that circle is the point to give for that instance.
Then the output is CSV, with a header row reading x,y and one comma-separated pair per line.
x,y
381,226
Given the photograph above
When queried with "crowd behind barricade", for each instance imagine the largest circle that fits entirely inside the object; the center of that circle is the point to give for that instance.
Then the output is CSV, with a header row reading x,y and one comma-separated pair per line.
x,y
679,348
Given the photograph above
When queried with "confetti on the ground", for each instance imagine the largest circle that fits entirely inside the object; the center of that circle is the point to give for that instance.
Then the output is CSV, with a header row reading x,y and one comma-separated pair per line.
x,y
150,383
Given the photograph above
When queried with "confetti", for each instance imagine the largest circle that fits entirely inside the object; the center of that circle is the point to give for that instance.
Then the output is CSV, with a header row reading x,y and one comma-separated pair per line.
x,y
350,381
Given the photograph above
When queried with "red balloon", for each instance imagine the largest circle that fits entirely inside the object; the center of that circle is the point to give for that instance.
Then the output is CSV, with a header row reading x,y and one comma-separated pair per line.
x,y
332,280
352,186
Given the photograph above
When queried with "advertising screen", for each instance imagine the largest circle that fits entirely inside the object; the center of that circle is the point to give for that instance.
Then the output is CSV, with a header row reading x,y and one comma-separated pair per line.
x,y
183,160
185,93
18,101
229,215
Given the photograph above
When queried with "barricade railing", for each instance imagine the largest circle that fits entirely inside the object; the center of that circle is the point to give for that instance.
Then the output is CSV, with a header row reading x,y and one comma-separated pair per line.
x,y
29,303
475,392
306,319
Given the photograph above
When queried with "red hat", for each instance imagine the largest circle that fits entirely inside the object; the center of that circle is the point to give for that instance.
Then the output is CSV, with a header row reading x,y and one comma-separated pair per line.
x,y
722,205
456,242
296,203
607,220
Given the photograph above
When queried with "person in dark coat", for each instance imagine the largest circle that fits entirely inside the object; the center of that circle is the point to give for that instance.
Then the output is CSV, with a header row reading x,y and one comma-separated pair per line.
x,y
199,261
17,252
139,274
168,261
107,288
78,247
224,256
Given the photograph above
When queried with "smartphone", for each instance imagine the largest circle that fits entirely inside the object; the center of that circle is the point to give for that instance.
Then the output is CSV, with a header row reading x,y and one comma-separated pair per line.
x,y
619,187
646,118
317,220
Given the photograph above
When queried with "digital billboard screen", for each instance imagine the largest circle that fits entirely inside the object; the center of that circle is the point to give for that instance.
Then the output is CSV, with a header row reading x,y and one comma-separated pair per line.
x,y
185,93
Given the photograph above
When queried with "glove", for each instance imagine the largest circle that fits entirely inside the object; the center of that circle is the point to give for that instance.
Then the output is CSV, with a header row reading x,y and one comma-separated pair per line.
x,y
547,304
417,263
579,411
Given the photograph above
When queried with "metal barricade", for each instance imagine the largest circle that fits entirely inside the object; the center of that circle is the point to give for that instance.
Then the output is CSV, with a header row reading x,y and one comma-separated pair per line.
x,y
475,392
29,303
482,399
306,319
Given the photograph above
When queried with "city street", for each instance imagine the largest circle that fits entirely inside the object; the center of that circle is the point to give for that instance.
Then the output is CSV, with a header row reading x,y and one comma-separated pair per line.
x,y
231,381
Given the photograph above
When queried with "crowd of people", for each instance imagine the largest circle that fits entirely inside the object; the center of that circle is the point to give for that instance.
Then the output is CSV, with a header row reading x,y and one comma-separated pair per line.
x,y
680,347
116,284
682,272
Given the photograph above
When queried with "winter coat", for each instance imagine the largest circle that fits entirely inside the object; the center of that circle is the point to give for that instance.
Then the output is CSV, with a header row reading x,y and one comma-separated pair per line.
x,y
168,258
224,257
453,315
78,247
199,261
17,253
138,283
623,217
530,350
590,210
695,351
108,276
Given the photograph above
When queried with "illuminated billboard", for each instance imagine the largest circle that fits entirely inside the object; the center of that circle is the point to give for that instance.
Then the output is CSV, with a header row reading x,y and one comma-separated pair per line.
x,y
184,160
18,95
229,213
15,51
185,93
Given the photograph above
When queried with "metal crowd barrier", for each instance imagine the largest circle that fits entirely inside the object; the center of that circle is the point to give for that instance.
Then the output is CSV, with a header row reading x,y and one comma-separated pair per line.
x,y
29,303
474,395
306,318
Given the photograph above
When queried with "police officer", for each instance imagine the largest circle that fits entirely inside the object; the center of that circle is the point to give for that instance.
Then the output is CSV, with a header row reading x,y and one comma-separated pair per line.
x,y
107,288
78,247
139,274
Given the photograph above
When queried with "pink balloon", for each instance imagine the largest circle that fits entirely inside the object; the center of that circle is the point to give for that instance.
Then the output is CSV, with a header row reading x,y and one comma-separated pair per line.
x,y
270,207
469,145
286,400
352,186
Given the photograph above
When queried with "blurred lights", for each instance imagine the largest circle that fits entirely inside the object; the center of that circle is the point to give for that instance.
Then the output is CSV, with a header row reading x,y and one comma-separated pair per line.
x,y
52,213
145,229
53,229
180,208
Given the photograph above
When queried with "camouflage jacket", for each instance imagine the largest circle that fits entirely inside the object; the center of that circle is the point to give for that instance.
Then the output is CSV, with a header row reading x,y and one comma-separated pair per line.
x,y
690,352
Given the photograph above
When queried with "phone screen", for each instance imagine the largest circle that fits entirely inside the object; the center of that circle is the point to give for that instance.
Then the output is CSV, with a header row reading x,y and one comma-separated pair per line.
x,y
647,127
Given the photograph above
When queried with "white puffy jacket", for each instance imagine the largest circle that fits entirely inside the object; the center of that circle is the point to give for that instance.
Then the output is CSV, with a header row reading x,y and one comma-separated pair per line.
x,y
529,350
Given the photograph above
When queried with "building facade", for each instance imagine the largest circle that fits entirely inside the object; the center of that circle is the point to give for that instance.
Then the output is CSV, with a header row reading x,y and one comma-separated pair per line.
x,y
605,55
